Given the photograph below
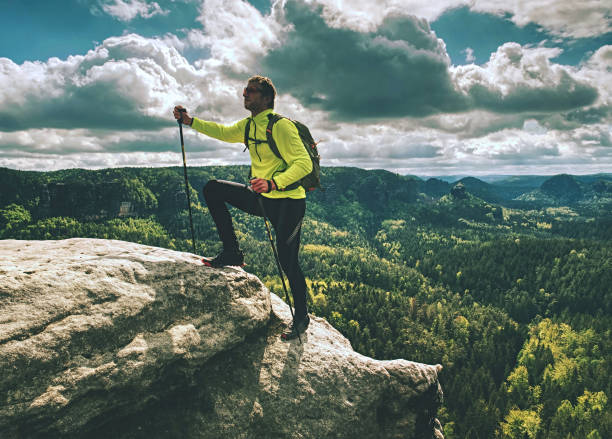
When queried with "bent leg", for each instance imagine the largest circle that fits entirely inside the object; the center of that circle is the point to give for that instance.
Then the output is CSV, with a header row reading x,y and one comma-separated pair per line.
x,y
217,193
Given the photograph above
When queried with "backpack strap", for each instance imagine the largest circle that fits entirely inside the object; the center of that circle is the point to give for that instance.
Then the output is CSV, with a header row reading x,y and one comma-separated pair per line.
x,y
247,129
272,119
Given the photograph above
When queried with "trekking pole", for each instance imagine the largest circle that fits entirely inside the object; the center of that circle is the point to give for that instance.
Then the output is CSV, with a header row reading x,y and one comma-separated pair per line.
x,y
278,265
180,124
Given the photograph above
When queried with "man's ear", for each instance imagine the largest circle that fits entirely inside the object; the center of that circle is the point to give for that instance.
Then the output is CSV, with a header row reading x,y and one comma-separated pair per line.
x,y
268,100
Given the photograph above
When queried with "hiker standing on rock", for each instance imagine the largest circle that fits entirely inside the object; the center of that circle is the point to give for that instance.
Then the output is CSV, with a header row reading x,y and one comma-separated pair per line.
x,y
272,178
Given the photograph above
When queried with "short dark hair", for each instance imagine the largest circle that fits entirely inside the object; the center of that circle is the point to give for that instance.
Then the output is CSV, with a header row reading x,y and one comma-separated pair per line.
x,y
267,88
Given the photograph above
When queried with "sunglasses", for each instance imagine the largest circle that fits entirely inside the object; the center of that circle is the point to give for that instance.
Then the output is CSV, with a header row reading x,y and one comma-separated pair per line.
x,y
248,90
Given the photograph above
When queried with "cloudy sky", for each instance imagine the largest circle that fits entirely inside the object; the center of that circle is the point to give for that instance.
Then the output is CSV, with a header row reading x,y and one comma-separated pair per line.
x,y
437,87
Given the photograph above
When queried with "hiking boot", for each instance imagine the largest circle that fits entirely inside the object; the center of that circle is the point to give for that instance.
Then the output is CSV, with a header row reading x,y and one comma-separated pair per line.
x,y
296,328
225,258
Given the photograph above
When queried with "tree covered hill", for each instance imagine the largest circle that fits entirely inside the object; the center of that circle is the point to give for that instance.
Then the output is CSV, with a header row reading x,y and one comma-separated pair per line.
x,y
512,297
97,194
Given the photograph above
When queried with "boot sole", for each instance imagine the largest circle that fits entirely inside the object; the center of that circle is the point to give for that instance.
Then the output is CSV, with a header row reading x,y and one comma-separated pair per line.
x,y
208,264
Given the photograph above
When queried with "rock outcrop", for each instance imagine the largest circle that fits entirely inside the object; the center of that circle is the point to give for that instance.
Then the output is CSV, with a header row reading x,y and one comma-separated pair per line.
x,y
103,338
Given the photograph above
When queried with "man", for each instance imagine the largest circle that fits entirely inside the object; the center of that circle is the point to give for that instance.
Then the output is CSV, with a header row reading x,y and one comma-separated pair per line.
x,y
270,179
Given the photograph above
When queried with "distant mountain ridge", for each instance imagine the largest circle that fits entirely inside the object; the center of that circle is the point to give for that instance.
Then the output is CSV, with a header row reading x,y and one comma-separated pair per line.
x,y
547,190
519,180
119,191
569,189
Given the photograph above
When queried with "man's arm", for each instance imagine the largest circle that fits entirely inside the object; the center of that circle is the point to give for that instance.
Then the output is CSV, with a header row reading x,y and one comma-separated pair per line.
x,y
293,152
227,133
232,133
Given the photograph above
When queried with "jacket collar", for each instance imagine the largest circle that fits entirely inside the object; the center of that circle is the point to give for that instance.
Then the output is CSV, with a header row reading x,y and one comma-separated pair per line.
x,y
262,117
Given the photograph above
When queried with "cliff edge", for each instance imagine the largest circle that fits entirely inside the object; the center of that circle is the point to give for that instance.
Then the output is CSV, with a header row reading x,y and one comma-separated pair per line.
x,y
102,338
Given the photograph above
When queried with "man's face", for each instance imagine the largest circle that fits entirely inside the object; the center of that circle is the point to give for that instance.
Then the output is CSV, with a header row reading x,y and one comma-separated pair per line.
x,y
254,100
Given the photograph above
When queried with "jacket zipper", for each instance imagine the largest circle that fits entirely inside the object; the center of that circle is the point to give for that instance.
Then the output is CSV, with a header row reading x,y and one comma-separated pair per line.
x,y
255,137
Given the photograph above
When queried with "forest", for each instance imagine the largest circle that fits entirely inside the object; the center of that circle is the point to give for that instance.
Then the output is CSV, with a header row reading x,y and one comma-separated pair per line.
x,y
506,283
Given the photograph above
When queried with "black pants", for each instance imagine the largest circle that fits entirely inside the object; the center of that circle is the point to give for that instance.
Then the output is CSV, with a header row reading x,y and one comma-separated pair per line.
x,y
285,214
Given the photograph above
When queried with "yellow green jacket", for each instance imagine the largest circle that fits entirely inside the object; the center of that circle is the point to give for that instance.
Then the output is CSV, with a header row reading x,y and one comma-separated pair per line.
x,y
264,163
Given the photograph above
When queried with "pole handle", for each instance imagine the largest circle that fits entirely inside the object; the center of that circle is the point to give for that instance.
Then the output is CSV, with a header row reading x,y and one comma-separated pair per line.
x,y
180,121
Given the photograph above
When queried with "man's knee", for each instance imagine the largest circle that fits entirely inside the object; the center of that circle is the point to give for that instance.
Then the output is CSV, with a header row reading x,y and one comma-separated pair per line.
x,y
210,188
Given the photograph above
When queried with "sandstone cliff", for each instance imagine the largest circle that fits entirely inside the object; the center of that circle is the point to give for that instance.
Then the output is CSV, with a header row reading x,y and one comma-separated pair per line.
x,y
104,339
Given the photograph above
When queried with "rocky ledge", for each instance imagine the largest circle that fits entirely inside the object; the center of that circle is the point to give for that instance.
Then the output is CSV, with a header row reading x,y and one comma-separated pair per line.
x,y
103,338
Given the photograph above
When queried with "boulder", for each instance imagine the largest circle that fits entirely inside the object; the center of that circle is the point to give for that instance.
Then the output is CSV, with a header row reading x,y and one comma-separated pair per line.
x,y
102,338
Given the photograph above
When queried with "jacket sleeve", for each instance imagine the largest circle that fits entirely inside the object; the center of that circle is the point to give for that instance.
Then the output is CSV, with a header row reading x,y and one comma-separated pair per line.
x,y
293,152
227,133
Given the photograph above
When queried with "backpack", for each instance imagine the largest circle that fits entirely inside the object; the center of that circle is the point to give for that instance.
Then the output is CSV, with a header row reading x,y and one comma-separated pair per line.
x,y
309,182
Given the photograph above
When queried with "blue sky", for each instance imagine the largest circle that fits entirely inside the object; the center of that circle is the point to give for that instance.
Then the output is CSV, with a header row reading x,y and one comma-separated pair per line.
x,y
461,28
446,87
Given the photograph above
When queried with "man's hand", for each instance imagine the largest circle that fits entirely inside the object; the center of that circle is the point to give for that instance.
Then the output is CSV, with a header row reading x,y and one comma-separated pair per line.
x,y
260,185
180,113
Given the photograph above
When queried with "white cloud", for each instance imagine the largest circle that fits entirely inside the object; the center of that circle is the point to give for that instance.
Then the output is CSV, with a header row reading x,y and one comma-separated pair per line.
x,y
408,72
598,71
469,55
236,33
598,136
52,149
399,70
518,79
566,18
127,82
127,10
111,106
513,65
